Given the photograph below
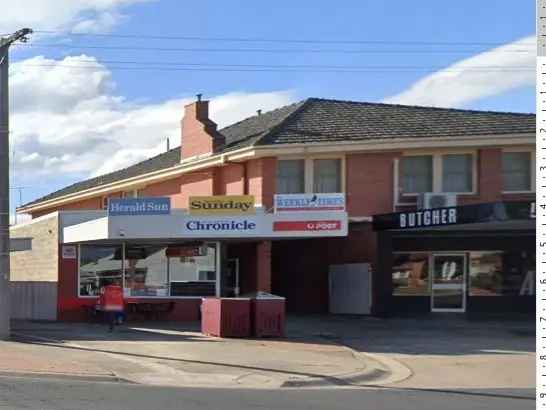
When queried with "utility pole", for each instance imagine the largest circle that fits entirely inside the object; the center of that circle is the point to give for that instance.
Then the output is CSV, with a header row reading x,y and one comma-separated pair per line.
x,y
5,43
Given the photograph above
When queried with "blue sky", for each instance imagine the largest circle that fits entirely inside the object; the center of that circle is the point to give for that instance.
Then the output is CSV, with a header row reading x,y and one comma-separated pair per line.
x,y
130,96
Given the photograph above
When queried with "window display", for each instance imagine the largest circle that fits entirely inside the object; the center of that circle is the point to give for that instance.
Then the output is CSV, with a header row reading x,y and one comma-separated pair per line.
x,y
194,274
410,274
149,270
502,273
99,266
490,273
145,270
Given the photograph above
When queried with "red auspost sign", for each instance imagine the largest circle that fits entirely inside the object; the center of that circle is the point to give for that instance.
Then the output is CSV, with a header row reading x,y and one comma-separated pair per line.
x,y
307,225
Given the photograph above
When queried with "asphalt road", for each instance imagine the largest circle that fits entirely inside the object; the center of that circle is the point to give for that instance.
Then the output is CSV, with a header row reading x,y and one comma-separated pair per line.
x,y
61,394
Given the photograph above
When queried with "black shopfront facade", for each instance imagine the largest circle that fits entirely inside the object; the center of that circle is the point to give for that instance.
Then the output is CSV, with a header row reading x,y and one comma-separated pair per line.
x,y
477,260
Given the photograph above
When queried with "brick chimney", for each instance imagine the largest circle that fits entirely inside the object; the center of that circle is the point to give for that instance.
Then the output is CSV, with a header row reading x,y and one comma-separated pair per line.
x,y
199,134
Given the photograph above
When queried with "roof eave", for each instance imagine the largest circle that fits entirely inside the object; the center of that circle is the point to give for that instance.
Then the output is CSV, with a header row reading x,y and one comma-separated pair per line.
x,y
150,177
396,144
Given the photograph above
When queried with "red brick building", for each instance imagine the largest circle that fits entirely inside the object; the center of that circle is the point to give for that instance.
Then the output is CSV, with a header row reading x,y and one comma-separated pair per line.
x,y
384,159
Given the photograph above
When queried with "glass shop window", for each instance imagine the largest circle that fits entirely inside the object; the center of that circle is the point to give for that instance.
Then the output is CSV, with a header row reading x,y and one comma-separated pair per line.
x,y
410,274
146,270
502,273
99,266
193,273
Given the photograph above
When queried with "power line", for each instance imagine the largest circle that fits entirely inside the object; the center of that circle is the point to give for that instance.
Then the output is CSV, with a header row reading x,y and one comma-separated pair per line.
x,y
268,40
94,63
263,50
278,70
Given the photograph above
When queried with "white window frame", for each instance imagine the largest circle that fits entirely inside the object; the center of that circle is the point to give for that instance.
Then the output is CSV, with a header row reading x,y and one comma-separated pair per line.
x,y
308,170
532,174
437,171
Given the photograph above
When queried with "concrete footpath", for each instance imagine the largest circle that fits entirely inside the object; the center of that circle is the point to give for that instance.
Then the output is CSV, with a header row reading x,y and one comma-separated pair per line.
x,y
444,353
179,355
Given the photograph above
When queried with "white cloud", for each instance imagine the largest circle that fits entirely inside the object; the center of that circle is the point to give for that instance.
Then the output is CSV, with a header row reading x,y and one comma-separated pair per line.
x,y
68,120
473,78
63,15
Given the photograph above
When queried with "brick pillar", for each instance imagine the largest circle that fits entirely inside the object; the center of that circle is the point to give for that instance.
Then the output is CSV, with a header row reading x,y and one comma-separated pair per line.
x,y
490,174
261,182
263,266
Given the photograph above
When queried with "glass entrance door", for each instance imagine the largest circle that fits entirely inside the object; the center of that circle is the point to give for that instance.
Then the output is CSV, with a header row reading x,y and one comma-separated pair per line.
x,y
448,283
232,277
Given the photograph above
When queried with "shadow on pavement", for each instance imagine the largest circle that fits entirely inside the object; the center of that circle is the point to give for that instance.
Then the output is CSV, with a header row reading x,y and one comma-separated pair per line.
x,y
149,332
436,335
427,335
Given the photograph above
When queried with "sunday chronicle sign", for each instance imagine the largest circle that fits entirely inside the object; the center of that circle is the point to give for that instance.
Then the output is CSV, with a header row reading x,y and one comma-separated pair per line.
x,y
221,205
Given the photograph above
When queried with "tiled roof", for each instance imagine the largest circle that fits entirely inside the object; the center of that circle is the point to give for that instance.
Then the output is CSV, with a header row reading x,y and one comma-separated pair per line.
x,y
251,130
165,160
321,120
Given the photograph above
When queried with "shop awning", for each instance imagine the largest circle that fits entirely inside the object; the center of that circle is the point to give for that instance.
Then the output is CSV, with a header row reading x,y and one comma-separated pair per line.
x,y
181,225
499,214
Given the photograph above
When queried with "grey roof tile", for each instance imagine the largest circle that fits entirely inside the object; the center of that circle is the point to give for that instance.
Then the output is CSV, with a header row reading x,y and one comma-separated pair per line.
x,y
331,120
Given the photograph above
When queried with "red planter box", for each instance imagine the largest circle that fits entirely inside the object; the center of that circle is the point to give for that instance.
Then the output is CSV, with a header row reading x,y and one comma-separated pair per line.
x,y
225,317
268,317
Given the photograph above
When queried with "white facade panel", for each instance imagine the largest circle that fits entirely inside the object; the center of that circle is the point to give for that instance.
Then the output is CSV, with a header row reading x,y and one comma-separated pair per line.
x,y
182,226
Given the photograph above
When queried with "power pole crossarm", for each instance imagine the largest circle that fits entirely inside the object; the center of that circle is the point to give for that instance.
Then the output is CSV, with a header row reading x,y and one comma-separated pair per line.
x,y
19,35
5,43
